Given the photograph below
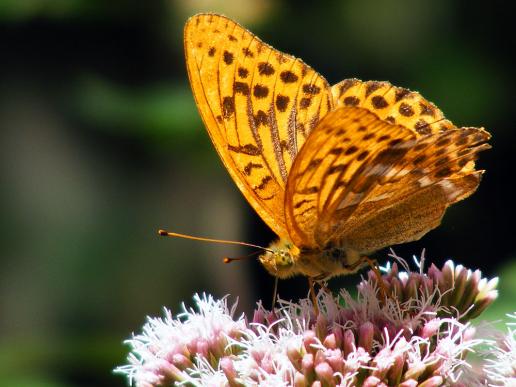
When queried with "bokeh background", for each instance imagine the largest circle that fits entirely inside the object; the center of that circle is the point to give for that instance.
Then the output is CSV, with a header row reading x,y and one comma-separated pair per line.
x,y
101,144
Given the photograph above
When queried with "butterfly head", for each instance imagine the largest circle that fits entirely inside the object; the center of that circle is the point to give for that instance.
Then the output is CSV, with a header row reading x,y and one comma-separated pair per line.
x,y
280,259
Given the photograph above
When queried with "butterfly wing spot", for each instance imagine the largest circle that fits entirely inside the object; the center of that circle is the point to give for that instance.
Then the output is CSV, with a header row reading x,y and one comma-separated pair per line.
x,y
228,57
427,109
419,159
362,155
400,93
379,102
282,102
344,86
247,52
442,161
263,183
372,86
250,166
243,72
311,89
248,149
390,119
446,171
303,213
338,168
261,118
241,88
260,91
383,137
352,149
309,190
305,102
351,101
288,77
422,127
228,107
265,68
302,202
443,142
406,110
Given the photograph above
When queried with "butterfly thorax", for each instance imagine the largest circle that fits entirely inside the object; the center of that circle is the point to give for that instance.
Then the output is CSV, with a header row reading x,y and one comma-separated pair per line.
x,y
283,260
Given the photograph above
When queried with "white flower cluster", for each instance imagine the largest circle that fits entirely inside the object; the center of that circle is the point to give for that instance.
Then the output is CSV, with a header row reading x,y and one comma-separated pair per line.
x,y
419,335
500,365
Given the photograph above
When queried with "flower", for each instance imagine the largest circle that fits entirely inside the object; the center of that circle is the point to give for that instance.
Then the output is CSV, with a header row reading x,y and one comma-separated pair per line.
x,y
169,346
500,366
418,335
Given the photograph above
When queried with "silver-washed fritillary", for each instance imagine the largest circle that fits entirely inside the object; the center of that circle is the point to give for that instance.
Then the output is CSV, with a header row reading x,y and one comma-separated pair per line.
x,y
337,172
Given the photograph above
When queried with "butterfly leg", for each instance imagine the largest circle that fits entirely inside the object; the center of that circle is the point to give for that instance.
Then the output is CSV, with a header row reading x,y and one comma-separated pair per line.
x,y
274,293
374,268
313,296
325,288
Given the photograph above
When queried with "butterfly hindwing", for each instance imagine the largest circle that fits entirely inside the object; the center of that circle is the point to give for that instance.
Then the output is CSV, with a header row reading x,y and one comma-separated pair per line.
x,y
411,198
405,217
258,105
336,152
395,193
393,104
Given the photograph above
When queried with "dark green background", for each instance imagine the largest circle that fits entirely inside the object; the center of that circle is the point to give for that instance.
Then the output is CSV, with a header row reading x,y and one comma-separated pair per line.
x,y
101,145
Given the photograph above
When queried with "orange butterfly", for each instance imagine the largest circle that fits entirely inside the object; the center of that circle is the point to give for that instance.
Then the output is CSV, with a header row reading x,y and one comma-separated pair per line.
x,y
337,172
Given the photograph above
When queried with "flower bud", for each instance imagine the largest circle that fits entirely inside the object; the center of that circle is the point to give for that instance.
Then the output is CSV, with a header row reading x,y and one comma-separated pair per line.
x,y
348,342
434,381
365,336
371,381
307,364
324,373
295,356
330,341
300,380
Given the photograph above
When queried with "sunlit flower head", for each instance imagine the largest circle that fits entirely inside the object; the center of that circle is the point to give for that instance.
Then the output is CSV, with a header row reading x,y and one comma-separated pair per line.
x,y
420,334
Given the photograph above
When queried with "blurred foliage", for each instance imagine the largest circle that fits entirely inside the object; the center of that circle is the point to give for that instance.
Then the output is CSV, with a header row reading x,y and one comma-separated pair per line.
x,y
107,106
101,144
162,116
507,294
15,10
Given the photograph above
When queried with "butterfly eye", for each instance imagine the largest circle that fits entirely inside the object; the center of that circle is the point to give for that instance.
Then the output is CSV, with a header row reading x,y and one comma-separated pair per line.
x,y
336,253
284,260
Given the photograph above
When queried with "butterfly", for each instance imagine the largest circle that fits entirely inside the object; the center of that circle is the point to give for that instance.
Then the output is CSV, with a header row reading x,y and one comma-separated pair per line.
x,y
337,172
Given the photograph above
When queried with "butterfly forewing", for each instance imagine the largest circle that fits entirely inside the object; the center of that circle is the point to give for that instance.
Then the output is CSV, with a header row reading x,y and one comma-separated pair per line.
x,y
258,105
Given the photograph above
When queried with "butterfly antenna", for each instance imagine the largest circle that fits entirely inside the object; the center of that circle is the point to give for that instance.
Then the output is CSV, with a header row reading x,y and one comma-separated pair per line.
x,y
177,235
231,259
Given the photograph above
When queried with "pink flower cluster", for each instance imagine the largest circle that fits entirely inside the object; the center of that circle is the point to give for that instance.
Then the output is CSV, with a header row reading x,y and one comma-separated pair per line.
x,y
419,335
